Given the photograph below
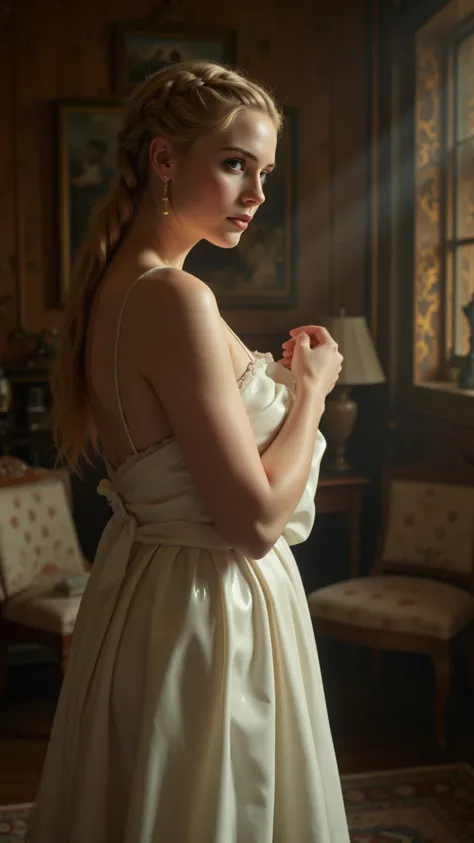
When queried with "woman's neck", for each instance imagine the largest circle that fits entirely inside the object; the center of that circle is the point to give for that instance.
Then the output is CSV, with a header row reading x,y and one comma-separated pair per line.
x,y
156,240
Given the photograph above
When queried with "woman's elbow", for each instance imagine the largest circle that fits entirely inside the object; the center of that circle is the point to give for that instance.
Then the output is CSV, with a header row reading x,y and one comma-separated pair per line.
x,y
254,541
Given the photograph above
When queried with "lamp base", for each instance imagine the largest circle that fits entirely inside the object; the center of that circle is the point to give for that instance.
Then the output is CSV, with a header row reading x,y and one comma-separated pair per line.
x,y
337,423
337,465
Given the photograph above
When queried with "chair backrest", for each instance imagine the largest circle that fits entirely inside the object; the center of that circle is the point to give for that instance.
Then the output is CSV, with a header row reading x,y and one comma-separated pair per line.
x,y
11,468
37,535
14,471
428,523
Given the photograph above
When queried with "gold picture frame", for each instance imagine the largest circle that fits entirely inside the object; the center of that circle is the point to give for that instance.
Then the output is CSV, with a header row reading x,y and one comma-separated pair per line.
x,y
141,49
86,142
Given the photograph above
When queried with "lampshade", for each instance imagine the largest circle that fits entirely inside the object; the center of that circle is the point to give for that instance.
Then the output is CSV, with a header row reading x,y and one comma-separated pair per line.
x,y
361,364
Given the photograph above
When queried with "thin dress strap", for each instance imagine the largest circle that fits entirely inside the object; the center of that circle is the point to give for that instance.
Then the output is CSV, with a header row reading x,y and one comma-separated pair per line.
x,y
239,340
117,338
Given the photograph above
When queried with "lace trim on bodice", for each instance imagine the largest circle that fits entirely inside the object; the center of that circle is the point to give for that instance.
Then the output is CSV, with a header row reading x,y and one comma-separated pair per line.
x,y
257,363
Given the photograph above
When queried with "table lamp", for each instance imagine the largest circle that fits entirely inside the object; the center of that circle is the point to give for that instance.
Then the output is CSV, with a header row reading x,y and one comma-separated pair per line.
x,y
361,366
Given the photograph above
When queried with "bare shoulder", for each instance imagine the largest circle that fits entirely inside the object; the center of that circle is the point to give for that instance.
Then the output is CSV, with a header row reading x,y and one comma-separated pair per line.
x,y
169,292
179,325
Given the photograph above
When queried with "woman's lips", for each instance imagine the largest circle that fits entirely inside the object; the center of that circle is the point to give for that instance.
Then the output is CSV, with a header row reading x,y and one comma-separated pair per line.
x,y
240,222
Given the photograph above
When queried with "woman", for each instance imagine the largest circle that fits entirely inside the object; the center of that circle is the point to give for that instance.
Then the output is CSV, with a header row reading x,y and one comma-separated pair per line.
x,y
192,710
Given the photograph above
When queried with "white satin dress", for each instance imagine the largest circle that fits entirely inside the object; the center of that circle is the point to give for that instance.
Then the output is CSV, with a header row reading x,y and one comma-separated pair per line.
x,y
192,710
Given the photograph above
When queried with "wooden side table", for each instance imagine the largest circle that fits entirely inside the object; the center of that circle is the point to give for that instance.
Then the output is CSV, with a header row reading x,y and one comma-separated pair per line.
x,y
344,493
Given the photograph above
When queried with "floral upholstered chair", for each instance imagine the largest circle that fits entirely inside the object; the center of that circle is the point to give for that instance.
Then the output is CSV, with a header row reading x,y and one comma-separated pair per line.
x,y
40,558
419,595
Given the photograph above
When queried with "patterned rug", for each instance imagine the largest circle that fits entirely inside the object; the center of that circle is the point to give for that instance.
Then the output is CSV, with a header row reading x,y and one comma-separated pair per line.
x,y
13,820
417,805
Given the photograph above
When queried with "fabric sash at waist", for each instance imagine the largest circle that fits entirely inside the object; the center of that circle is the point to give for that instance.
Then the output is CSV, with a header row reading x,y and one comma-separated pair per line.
x,y
123,531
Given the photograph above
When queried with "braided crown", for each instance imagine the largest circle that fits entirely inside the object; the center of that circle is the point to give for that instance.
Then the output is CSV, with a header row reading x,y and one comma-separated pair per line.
x,y
183,100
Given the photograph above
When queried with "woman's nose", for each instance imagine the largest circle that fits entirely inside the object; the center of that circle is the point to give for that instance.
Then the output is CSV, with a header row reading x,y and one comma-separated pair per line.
x,y
254,194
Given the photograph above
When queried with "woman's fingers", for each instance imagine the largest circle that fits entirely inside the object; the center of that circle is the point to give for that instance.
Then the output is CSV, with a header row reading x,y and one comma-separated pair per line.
x,y
317,332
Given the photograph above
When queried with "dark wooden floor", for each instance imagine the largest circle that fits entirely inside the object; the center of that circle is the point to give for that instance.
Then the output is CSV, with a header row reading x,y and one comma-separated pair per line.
x,y
375,725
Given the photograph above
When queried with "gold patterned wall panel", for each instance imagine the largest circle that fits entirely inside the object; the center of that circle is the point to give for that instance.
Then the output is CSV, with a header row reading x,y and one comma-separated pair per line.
x,y
465,104
427,213
463,280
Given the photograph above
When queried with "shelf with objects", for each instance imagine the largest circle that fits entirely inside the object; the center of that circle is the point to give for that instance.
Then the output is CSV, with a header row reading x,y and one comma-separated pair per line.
x,y
25,402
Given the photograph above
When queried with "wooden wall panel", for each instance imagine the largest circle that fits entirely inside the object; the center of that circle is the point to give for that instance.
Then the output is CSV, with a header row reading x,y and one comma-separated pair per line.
x,y
7,172
349,140
64,51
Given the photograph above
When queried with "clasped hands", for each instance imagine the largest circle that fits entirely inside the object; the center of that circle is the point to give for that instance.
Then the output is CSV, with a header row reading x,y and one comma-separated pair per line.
x,y
316,335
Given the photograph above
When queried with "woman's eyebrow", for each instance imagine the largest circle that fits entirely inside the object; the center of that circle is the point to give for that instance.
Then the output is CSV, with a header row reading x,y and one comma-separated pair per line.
x,y
244,152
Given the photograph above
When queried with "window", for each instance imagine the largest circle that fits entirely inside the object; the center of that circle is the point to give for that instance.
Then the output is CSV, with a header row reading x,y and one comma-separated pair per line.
x,y
444,196
458,269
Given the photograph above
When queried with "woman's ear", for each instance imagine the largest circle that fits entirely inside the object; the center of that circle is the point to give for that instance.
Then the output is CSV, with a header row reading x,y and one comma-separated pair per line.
x,y
160,157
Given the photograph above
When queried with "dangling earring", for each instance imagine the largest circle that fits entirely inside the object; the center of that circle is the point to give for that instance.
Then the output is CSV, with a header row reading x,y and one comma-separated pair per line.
x,y
164,198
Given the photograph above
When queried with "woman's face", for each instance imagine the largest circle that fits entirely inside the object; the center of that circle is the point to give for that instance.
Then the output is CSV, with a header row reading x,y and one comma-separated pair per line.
x,y
219,185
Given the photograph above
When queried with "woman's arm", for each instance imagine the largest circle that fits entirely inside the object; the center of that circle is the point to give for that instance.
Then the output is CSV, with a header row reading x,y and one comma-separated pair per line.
x,y
182,350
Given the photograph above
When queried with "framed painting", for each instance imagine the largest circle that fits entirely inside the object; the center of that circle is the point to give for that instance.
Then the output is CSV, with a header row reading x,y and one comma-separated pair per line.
x,y
86,135
261,270
142,50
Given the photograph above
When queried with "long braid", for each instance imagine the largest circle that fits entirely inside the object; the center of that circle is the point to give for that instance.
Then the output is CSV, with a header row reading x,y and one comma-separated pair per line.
x,y
107,226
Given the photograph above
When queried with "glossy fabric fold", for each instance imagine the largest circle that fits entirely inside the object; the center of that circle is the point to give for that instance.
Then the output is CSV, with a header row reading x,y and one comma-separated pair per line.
x,y
193,709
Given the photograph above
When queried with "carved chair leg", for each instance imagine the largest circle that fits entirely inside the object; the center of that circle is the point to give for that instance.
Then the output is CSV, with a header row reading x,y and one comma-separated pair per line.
x,y
443,670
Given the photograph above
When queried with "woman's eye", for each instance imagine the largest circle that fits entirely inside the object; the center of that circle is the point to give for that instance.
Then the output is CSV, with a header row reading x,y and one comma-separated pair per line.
x,y
235,164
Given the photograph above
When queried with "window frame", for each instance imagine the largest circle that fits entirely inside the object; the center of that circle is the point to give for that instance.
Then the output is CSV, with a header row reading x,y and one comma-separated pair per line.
x,y
399,24
451,243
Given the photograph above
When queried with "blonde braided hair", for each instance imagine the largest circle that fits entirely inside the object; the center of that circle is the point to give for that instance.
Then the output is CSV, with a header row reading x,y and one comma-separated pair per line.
x,y
180,102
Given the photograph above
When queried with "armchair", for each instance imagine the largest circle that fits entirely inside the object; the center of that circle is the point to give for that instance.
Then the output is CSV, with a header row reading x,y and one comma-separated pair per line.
x,y
419,596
